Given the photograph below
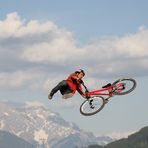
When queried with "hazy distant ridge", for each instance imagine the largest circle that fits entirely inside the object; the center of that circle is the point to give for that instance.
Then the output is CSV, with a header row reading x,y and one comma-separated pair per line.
x,y
136,140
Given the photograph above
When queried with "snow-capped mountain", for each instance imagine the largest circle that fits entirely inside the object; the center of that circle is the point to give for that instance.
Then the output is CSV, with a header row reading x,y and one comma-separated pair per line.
x,y
42,127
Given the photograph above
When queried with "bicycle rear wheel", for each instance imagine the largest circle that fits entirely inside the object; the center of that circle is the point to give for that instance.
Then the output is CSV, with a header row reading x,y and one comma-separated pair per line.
x,y
92,106
123,86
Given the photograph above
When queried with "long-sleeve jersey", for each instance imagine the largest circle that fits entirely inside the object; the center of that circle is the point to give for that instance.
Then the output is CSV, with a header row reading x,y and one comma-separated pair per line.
x,y
74,84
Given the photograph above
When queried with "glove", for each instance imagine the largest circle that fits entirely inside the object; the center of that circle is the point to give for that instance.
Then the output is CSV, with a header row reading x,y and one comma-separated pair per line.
x,y
86,96
81,81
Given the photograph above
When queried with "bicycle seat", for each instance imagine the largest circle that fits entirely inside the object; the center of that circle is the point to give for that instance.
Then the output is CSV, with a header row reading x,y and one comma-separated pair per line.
x,y
109,84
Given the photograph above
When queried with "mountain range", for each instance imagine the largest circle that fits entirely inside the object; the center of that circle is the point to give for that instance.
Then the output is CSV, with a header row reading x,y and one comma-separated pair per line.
x,y
41,127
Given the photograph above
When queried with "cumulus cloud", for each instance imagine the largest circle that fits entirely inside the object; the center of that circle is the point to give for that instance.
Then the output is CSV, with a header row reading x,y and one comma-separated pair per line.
x,y
10,25
34,51
120,56
13,26
134,45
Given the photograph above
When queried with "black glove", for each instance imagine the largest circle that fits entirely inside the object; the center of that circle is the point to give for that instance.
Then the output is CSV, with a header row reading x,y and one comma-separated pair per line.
x,y
81,81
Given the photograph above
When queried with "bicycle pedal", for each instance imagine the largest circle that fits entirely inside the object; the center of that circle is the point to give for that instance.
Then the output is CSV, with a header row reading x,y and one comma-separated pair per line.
x,y
90,102
106,101
92,107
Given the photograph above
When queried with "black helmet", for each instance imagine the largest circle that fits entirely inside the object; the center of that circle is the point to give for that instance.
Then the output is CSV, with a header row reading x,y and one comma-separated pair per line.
x,y
79,71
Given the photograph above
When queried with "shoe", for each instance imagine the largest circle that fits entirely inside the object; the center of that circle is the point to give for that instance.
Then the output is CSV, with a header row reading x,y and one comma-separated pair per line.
x,y
49,97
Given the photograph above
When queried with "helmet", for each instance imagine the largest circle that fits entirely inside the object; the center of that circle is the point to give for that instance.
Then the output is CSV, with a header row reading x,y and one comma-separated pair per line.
x,y
79,71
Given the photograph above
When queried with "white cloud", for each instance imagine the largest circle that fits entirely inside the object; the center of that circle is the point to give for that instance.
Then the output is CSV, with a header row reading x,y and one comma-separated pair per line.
x,y
57,51
134,44
10,25
126,55
13,26
47,42
18,79
35,54
51,82
35,27
15,79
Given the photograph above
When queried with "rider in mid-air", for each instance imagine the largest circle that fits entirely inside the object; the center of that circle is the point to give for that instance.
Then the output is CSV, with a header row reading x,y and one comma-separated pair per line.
x,y
68,87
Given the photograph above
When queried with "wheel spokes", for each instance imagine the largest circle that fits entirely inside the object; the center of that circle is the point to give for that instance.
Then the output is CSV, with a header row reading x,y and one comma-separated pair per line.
x,y
123,86
92,105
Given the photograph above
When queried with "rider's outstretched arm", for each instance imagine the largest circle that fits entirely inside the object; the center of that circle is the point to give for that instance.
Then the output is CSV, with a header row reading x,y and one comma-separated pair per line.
x,y
86,89
80,91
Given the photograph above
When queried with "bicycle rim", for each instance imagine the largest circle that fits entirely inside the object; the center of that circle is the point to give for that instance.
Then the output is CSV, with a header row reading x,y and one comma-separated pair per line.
x,y
98,103
123,86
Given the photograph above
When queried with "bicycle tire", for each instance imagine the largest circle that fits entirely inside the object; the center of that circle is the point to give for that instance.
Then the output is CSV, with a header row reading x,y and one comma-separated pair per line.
x,y
92,112
133,82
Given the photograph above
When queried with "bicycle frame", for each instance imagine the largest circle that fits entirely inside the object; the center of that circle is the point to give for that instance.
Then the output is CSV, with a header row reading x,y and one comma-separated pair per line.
x,y
101,92
95,100
107,91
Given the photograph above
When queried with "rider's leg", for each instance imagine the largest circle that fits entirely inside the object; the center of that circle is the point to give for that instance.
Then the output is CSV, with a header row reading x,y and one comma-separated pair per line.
x,y
66,91
61,85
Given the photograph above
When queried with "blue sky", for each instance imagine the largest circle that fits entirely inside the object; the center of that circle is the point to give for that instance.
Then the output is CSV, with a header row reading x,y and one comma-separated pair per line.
x,y
41,42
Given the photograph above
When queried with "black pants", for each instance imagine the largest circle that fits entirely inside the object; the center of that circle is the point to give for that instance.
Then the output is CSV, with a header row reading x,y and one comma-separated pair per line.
x,y
63,87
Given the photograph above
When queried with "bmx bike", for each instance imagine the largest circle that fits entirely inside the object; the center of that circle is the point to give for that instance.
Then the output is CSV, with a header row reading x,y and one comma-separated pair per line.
x,y
96,100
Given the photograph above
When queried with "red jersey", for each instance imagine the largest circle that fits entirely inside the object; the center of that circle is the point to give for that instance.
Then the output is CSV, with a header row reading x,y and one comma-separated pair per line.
x,y
74,84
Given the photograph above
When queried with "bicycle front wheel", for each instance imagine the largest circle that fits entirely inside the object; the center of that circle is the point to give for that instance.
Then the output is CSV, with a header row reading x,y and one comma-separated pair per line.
x,y
92,106
123,86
